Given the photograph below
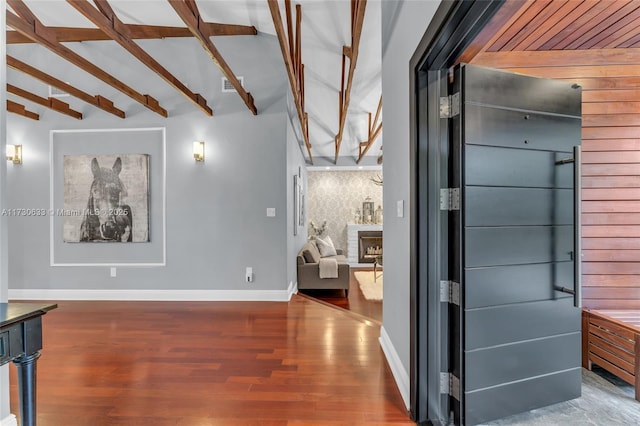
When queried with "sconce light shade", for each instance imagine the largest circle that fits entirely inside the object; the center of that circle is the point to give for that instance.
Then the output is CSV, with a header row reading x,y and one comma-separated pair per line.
x,y
198,150
14,154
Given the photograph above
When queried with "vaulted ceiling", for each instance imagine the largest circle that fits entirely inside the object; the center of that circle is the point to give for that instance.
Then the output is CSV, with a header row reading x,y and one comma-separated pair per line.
x,y
330,52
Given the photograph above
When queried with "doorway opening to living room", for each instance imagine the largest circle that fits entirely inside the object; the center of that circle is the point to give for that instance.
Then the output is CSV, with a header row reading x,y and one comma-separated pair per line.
x,y
345,208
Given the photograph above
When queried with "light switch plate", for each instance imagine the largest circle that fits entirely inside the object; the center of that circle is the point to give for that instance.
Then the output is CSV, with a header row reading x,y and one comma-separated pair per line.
x,y
113,272
401,208
271,212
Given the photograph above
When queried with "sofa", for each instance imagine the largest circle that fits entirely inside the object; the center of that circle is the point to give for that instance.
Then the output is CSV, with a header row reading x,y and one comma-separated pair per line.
x,y
308,262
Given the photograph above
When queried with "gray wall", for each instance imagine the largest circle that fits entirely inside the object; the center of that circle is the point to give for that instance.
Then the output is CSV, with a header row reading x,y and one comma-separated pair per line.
x,y
4,370
295,165
216,210
404,24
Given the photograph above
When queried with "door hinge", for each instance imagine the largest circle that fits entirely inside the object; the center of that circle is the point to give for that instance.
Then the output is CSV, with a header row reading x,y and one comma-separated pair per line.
x,y
450,385
450,106
450,292
450,199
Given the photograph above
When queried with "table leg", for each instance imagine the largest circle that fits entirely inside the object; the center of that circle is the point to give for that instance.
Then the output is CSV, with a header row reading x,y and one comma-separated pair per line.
x,y
26,366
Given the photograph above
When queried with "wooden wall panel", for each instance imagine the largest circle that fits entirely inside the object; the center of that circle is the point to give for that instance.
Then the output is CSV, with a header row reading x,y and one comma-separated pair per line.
x,y
611,182
611,219
611,255
611,144
611,162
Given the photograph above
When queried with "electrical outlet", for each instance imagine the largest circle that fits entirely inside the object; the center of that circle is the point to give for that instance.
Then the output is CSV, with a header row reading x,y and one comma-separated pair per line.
x,y
249,274
113,272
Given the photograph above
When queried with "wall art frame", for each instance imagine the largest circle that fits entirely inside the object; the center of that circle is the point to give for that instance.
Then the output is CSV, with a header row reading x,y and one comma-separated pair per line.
x,y
109,143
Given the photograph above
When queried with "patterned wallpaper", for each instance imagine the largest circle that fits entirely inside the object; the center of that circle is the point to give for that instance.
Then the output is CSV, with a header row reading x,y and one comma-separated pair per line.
x,y
334,195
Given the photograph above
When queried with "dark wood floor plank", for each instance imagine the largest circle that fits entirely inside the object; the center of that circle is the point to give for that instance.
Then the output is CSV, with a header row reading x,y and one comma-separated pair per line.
x,y
355,303
204,363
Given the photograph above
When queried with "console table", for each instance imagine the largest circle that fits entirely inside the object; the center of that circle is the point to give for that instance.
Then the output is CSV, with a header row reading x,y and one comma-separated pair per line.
x,y
21,342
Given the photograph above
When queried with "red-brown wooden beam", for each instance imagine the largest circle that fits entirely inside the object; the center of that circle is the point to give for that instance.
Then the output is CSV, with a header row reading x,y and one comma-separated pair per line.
x,y
357,9
97,100
28,25
51,103
107,21
287,9
188,12
286,48
71,34
374,129
20,109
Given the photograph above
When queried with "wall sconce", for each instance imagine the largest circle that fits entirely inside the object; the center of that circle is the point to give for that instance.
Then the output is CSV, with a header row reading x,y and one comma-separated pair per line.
x,y
198,150
14,154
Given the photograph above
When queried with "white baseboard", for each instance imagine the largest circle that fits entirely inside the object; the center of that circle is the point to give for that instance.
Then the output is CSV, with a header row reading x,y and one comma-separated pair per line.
x,y
397,369
10,420
293,289
154,295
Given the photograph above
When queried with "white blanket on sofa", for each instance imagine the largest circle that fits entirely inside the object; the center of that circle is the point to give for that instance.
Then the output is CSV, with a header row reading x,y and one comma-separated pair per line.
x,y
328,268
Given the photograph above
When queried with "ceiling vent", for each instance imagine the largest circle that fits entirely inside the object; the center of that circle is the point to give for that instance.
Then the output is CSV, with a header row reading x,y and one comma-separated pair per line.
x,y
227,87
54,92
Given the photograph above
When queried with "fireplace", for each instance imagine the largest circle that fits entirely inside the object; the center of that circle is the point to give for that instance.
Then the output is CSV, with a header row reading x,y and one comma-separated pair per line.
x,y
369,246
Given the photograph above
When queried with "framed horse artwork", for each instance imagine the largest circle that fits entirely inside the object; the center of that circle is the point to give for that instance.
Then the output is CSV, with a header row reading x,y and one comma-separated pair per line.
x,y
106,198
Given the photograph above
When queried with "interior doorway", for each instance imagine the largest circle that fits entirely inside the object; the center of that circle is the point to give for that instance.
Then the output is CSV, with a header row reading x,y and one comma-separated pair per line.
x,y
583,28
346,205
461,252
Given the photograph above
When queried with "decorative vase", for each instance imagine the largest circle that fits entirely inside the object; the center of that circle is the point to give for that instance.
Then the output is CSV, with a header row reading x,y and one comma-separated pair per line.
x,y
367,210
379,215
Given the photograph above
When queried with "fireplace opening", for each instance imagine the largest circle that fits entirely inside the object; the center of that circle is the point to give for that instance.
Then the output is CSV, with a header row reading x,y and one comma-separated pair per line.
x,y
369,246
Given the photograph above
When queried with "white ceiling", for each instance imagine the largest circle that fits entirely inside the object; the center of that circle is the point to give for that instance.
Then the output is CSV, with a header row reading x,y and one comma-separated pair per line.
x,y
325,29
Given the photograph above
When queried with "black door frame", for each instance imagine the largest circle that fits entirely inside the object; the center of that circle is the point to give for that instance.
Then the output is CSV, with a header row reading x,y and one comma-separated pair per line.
x,y
453,27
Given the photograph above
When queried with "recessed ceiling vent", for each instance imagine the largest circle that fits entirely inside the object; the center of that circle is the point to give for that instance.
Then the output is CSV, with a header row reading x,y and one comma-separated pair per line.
x,y
54,92
227,87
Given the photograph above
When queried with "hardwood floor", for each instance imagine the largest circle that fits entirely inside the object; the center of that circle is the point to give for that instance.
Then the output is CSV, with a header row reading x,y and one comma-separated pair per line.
x,y
211,363
354,303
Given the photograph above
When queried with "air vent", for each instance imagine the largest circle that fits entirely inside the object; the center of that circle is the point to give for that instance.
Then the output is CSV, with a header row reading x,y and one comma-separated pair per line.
x,y
227,87
54,92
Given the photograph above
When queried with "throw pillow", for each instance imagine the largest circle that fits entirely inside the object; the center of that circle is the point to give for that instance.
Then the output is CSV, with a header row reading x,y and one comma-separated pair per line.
x,y
308,257
310,253
326,247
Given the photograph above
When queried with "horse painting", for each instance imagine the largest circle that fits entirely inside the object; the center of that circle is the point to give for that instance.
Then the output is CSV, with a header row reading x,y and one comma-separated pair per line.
x,y
106,218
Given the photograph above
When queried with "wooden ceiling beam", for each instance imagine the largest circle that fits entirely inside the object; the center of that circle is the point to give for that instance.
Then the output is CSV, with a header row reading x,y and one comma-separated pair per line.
x,y
211,29
374,131
51,103
20,109
188,12
287,47
107,21
136,32
559,58
97,100
357,19
31,27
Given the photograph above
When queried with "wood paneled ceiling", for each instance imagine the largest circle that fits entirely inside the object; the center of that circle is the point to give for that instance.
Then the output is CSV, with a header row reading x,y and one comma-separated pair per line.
x,y
547,25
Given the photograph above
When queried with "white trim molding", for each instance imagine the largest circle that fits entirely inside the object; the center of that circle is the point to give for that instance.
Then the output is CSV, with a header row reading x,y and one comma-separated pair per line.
x,y
52,207
153,295
397,369
10,420
293,289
